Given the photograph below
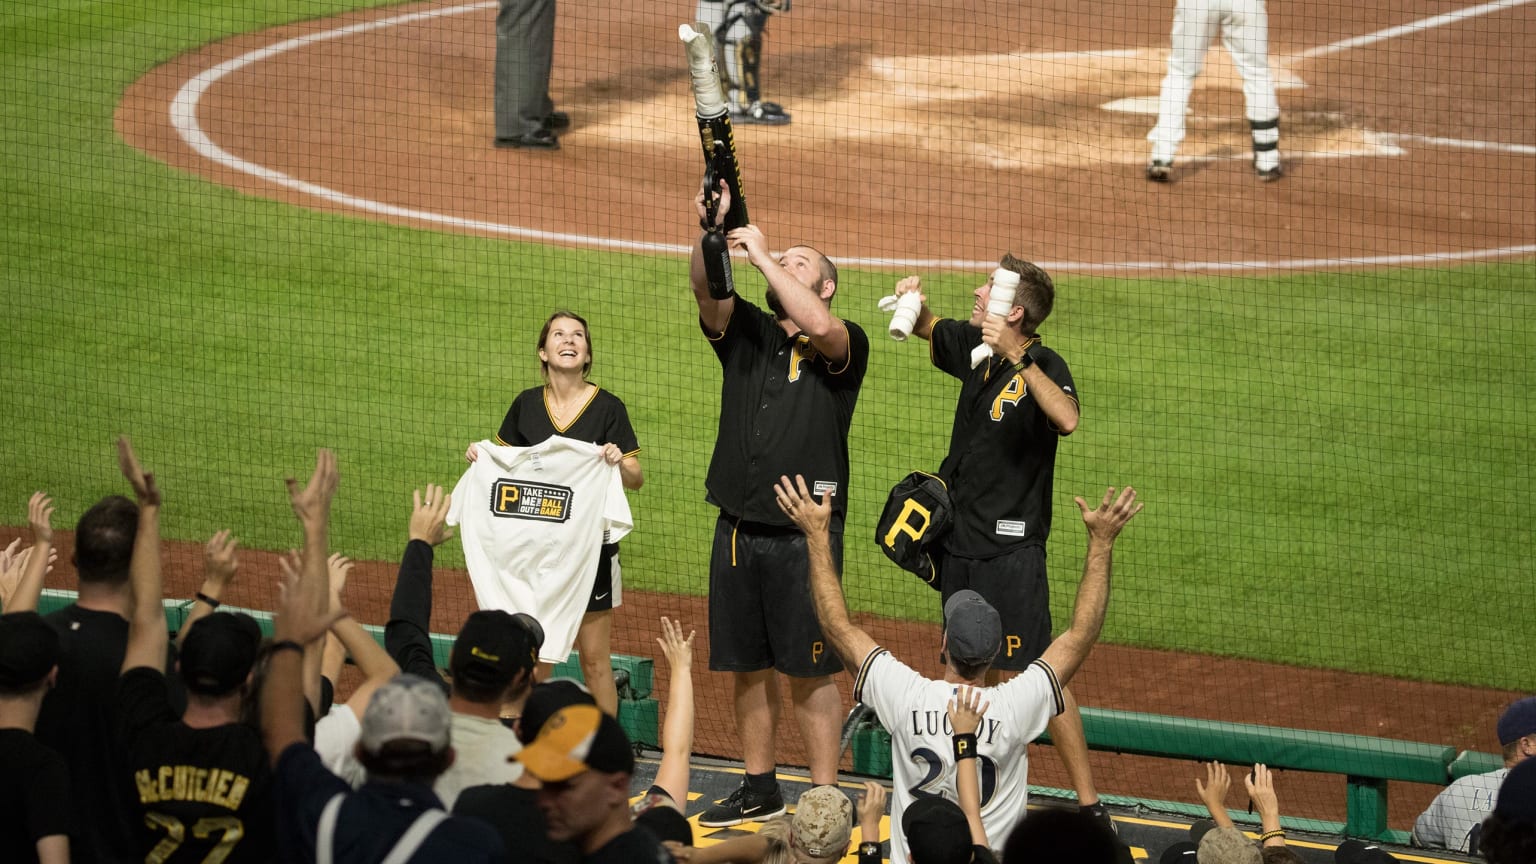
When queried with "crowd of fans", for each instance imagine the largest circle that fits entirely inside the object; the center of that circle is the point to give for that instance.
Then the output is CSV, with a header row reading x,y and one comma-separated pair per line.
x,y
223,745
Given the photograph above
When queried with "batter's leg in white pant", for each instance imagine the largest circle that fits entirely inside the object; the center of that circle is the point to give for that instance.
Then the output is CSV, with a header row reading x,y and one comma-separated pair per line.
x,y
1246,38
1194,26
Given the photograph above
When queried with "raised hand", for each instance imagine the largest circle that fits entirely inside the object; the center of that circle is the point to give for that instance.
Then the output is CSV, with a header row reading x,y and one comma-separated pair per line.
x,y
806,512
1261,789
295,619
143,484
1214,790
871,808
428,515
39,517
220,561
1105,522
675,647
966,710
312,502
337,567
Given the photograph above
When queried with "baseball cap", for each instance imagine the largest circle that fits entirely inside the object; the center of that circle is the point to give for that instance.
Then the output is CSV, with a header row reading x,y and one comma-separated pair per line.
x,y
936,831
492,648
219,651
1517,721
972,628
407,708
1517,794
577,738
1355,852
29,649
822,823
547,698
1182,852
664,820
1227,845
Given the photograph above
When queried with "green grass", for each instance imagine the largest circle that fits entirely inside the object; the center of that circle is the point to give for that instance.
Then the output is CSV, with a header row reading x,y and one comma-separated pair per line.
x,y
1334,465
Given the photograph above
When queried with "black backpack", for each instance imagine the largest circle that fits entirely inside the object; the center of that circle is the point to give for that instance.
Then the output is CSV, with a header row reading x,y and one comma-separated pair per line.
x,y
916,515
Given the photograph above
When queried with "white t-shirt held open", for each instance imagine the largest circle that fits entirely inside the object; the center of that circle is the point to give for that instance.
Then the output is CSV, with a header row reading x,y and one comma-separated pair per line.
x,y
533,521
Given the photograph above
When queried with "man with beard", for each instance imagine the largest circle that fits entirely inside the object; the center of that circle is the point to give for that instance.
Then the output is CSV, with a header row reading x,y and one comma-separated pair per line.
x,y
790,382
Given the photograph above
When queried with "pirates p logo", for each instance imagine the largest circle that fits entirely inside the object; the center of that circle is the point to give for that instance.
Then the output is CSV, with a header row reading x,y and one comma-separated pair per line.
x,y
904,523
542,501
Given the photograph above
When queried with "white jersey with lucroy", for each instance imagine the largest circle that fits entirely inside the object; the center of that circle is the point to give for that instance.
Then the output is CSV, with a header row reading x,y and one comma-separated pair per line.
x,y
914,710
533,521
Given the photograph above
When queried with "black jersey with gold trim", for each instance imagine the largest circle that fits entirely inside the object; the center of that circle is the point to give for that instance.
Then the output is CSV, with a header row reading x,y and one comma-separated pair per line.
x,y
603,420
784,410
1002,450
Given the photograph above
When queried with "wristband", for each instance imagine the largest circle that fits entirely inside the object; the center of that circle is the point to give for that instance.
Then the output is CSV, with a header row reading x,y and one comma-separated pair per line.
x,y
1270,835
212,603
1025,362
965,746
284,645
866,849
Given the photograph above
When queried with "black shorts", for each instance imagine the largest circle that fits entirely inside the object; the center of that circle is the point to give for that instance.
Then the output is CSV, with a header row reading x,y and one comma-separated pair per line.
x,y
605,588
1015,584
760,610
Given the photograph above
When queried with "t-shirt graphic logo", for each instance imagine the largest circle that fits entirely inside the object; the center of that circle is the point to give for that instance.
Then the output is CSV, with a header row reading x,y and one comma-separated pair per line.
x,y
521,500
798,356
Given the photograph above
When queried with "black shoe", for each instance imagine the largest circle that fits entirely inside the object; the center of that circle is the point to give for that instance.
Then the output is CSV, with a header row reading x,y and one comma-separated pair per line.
x,y
1270,175
1158,170
761,114
540,140
743,805
557,120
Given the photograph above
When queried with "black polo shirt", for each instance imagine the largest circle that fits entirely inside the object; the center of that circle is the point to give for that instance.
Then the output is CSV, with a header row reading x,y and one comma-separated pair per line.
x,y
784,410
1002,449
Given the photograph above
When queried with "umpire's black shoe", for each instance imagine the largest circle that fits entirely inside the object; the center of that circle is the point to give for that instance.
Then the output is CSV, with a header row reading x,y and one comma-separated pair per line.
x,y
557,120
743,805
543,139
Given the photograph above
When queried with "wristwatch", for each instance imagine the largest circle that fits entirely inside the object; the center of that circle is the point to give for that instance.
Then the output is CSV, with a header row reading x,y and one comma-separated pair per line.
x,y
1025,361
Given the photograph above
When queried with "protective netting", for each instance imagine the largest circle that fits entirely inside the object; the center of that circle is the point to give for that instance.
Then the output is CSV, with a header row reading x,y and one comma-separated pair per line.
x,y
238,232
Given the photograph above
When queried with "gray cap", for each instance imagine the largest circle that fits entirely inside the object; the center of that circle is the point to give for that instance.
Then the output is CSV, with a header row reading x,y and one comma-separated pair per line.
x,y
407,708
972,628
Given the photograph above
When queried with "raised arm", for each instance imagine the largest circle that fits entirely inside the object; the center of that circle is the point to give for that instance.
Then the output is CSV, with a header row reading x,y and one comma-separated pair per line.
x,y
677,732
1261,791
371,658
410,610
220,563
1213,793
715,314
299,620
31,565
1011,345
811,516
146,623
1067,653
965,713
806,306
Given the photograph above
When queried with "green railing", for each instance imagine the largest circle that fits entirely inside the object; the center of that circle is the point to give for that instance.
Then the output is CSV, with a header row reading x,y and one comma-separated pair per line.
x,y
1367,763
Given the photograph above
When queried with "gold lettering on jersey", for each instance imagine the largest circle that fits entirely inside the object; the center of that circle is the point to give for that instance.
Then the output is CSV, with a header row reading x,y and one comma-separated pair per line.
x,y
1012,643
802,352
1011,393
191,783
817,649
522,500
904,525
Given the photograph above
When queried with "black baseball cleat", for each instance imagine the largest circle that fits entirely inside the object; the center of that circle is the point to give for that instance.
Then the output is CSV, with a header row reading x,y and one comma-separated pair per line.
x,y
761,114
557,120
1158,170
543,139
743,805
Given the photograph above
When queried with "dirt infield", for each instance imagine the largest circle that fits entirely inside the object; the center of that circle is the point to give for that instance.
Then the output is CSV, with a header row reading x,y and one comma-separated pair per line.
x,y
1119,677
922,131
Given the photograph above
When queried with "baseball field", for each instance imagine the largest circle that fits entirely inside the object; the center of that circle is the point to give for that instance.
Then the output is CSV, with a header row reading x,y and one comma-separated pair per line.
x,y
238,232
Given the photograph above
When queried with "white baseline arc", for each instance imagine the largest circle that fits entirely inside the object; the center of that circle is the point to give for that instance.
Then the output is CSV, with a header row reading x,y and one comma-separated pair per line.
x,y
183,116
